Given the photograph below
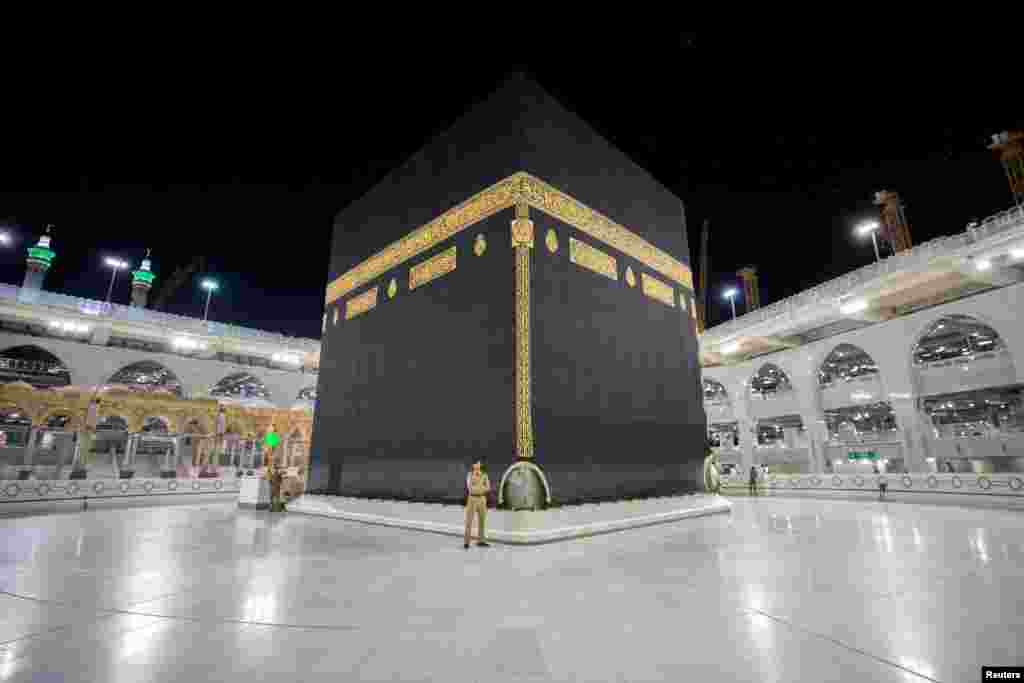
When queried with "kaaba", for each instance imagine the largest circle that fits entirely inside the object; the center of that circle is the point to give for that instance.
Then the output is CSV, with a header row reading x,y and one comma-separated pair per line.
x,y
527,302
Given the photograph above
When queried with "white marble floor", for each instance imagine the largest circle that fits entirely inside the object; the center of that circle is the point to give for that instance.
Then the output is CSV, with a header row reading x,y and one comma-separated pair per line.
x,y
780,590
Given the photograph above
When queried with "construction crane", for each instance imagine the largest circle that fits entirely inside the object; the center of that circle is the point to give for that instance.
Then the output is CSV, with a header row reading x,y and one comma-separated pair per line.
x,y
1010,147
895,229
179,277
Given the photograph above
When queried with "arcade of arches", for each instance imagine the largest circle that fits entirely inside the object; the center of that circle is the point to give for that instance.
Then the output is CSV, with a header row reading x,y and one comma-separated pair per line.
x,y
966,415
56,433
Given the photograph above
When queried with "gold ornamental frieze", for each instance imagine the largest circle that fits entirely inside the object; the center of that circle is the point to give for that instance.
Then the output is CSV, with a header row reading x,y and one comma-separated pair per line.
x,y
358,305
520,188
433,268
656,289
478,207
556,203
582,254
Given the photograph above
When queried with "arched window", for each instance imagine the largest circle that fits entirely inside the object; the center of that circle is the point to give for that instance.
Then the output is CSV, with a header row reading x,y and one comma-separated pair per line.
x,y
112,423
857,423
58,422
156,425
770,379
846,362
240,385
983,412
12,415
714,392
15,425
955,336
147,375
34,365
307,394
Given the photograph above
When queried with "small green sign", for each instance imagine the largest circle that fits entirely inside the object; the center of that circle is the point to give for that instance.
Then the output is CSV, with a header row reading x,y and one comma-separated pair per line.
x,y
271,440
862,455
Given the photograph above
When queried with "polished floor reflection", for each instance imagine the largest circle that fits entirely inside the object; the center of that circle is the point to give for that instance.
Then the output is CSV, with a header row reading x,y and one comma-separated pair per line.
x,y
781,590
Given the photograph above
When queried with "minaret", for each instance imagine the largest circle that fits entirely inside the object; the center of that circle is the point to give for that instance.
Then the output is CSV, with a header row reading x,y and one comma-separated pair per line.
x,y
40,258
142,282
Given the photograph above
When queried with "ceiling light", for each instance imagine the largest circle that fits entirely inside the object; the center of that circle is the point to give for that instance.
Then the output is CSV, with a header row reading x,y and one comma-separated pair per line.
x,y
69,326
982,264
729,348
188,344
853,307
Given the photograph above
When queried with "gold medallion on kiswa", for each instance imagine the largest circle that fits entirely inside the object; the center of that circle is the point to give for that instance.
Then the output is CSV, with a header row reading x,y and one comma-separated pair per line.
x,y
433,268
656,289
358,305
582,254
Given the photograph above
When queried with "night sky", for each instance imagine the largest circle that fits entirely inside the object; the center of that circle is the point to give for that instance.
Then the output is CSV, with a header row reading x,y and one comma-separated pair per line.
x,y
781,148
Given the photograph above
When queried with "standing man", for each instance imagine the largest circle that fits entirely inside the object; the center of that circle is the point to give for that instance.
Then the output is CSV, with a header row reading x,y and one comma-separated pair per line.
x,y
753,481
478,486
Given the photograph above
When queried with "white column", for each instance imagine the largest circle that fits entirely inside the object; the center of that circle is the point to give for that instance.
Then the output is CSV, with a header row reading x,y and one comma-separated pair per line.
x,y
808,395
915,434
30,447
744,428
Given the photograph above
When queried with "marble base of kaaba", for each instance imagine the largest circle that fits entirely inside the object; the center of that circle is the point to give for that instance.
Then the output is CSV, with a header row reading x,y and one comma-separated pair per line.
x,y
254,494
519,527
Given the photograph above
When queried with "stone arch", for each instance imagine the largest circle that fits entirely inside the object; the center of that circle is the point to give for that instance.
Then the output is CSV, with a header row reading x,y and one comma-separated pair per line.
x,y
147,375
61,419
240,386
157,424
714,390
770,377
529,466
846,361
968,332
35,362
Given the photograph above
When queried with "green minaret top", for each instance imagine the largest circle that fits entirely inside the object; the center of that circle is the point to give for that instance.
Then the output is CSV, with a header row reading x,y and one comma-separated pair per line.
x,y
41,256
143,277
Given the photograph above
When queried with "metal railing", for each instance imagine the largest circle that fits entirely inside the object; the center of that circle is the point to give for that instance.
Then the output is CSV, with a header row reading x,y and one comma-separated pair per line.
x,y
828,292
177,323
32,366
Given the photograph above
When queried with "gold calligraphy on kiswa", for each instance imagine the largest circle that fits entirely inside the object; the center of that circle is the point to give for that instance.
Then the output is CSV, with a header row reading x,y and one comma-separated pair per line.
x,y
582,254
656,289
358,305
433,268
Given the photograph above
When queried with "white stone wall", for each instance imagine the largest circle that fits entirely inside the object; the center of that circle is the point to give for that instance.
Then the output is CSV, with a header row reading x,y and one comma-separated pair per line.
x,y
890,344
92,364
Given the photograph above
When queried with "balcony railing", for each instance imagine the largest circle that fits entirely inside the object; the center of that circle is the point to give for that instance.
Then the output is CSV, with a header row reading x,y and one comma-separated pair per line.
x,y
177,323
830,291
32,366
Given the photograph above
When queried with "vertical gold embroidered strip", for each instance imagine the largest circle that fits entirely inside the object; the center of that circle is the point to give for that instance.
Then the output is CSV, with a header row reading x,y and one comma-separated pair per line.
x,y
522,240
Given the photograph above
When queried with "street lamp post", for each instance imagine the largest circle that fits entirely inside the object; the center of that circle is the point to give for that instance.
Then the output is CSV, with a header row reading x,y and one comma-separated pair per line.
x,y
210,286
871,227
116,265
730,294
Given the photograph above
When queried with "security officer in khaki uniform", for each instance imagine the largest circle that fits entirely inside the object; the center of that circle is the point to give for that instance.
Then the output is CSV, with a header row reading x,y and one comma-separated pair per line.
x,y
476,503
